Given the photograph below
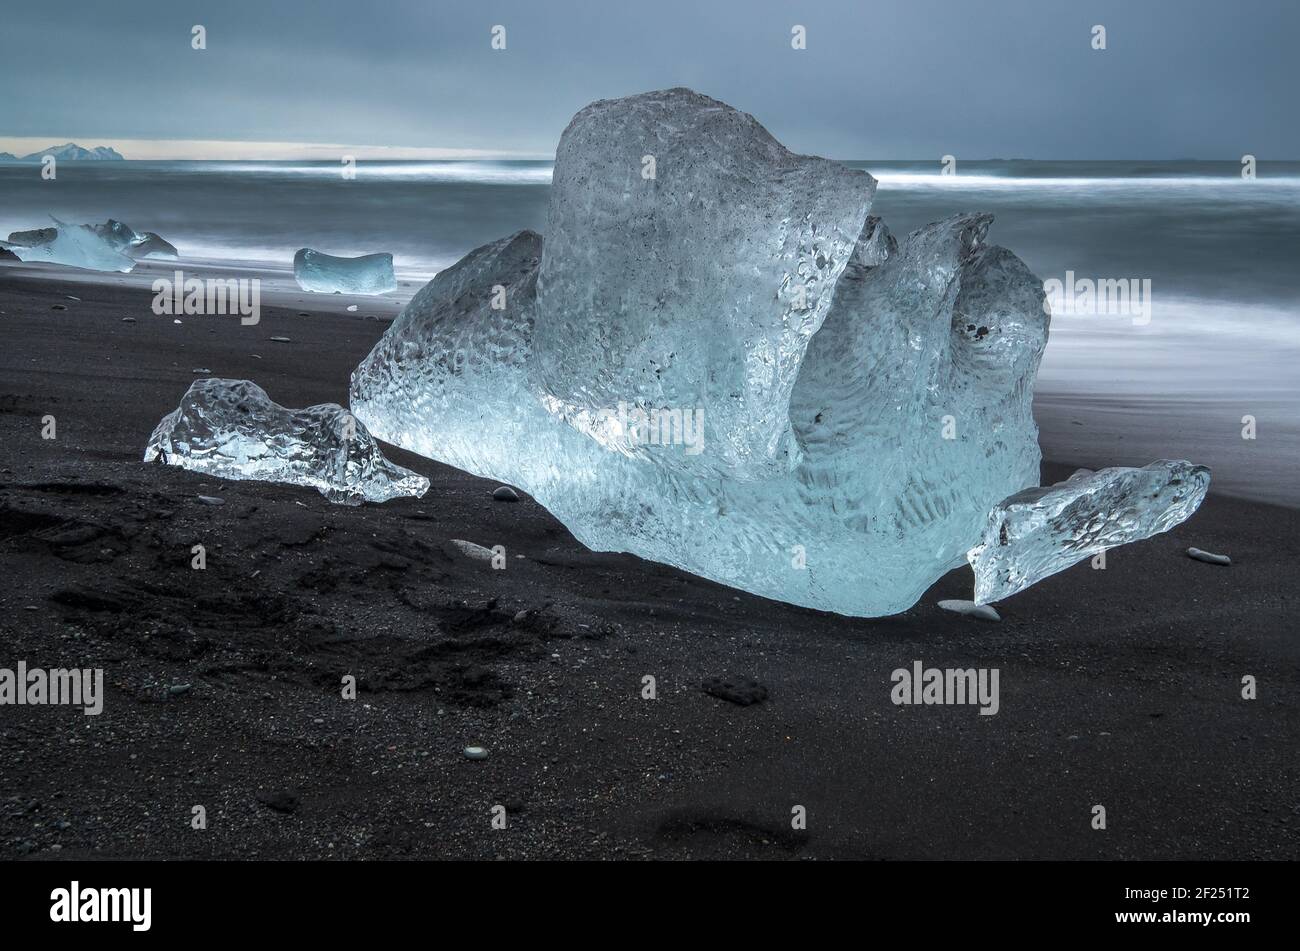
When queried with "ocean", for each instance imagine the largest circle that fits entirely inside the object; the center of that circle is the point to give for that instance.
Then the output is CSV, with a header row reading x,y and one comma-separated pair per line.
x,y
1205,369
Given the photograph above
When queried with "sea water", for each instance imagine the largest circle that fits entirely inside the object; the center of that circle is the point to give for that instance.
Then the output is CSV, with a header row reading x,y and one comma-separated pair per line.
x,y
1201,363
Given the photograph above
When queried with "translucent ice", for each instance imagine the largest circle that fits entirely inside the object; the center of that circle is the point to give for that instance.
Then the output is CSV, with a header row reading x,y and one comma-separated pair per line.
x,y
132,243
1040,531
326,274
690,257
864,403
71,245
111,246
231,429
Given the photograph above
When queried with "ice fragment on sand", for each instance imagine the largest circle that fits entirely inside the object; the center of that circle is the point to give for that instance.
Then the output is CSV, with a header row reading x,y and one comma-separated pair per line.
x,y
1038,532
84,245
327,274
852,451
232,429
73,246
1208,556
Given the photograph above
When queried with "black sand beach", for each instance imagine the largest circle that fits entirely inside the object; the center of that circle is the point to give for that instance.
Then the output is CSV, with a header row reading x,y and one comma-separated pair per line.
x,y
1119,687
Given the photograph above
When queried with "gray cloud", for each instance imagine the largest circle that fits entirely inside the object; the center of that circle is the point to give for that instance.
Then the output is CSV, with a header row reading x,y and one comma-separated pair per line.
x,y
880,79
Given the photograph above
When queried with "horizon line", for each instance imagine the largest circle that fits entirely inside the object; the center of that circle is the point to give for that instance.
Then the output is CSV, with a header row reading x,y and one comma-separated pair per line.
x,y
241,150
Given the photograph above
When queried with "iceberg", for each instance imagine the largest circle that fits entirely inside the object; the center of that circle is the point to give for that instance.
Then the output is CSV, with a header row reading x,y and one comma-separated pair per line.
x,y
720,360
231,429
1040,531
326,274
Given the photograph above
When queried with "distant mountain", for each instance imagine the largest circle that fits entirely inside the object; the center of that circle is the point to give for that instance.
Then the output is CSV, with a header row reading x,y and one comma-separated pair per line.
x,y
69,152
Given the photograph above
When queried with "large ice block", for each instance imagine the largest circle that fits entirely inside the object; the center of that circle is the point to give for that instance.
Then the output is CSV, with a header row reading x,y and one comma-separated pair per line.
x,y
326,274
849,458
231,429
1040,531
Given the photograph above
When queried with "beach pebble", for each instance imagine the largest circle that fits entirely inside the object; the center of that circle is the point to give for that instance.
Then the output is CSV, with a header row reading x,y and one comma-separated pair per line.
x,y
281,340
303,313
474,551
128,320
59,307
1208,556
177,689
475,752
210,500
70,297
505,494
970,609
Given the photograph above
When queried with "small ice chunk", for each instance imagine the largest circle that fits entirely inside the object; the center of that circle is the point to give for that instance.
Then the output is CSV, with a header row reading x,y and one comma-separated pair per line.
x,y
1208,556
113,234
970,609
326,274
132,243
232,429
72,246
1040,531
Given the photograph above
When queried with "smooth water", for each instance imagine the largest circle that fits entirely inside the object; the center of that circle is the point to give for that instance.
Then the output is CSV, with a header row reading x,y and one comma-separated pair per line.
x,y
1221,339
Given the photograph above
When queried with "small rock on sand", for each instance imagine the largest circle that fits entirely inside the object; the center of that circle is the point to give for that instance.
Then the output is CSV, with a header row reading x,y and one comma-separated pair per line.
x,y
475,752
505,494
1208,556
281,340
474,551
58,307
128,320
211,500
970,609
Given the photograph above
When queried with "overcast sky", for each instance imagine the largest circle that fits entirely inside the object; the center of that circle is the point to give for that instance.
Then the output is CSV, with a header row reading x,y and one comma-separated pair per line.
x,y
879,78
